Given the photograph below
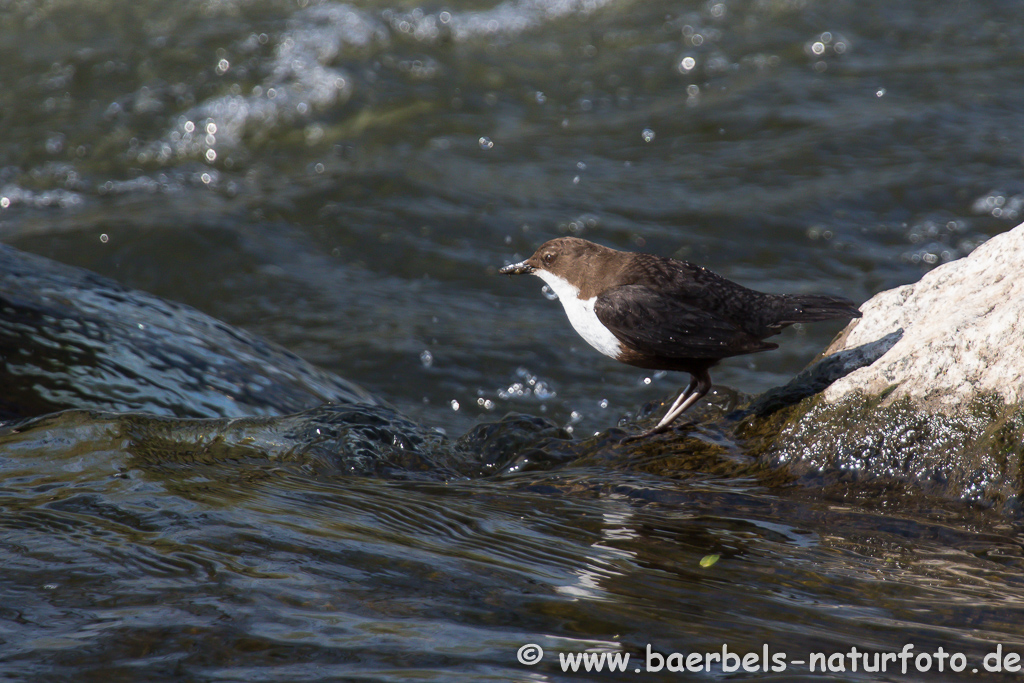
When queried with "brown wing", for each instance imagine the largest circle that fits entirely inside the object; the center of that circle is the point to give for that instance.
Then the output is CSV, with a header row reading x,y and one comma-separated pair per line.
x,y
657,325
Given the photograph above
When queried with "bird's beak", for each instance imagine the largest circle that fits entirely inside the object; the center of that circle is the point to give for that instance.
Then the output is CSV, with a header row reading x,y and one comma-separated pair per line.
x,y
517,268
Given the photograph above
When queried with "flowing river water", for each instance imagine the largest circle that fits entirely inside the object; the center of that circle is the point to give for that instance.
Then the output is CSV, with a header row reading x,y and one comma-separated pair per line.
x,y
345,180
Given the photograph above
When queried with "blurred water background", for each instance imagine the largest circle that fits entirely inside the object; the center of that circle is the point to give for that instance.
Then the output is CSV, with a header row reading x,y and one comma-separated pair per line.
x,y
345,179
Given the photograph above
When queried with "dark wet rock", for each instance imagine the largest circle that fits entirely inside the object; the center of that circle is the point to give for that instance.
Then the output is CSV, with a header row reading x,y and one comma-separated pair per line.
x,y
357,439
864,445
518,442
72,339
940,411
820,375
330,440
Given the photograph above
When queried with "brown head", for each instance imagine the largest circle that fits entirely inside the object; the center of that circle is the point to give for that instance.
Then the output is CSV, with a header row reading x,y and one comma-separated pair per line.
x,y
574,260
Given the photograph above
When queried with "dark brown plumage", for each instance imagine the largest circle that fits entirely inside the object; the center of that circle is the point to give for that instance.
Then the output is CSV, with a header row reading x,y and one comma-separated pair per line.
x,y
662,314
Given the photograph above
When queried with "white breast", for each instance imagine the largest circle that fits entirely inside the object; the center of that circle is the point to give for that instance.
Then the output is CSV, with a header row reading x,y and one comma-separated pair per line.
x,y
581,314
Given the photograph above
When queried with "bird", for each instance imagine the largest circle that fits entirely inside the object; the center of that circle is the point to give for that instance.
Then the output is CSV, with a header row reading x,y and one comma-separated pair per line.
x,y
661,313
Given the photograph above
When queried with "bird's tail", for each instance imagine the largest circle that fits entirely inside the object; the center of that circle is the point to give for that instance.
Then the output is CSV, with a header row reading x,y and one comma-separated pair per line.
x,y
807,308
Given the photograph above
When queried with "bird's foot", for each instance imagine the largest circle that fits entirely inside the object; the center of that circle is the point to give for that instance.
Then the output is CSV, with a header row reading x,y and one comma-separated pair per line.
x,y
635,437
661,429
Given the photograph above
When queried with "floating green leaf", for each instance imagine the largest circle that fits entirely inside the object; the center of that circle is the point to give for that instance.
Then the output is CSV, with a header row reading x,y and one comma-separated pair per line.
x,y
709,560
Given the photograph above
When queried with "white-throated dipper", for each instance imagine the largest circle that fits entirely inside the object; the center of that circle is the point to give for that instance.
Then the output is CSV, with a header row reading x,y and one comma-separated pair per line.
x,y
662,314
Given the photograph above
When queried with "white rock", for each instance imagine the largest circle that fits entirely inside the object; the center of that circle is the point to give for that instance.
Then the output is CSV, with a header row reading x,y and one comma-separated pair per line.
x,y
962,332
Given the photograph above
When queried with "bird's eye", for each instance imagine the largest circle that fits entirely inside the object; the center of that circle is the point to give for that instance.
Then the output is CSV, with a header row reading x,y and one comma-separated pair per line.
x,y
548,258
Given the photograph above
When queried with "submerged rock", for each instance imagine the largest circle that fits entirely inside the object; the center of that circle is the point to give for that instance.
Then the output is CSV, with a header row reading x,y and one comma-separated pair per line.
x,y
72,339
360,440
330,440
942,410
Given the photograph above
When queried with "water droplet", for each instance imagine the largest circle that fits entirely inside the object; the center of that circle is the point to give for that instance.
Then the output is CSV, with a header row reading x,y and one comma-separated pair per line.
x,y
455,404
55,144
603,403
485,143
647,134
104,238
880,92
549,293
427,358
687,64
541,391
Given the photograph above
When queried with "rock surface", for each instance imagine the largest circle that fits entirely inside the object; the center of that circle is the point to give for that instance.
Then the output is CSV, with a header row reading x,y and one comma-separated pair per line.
x,y
962,332
941,411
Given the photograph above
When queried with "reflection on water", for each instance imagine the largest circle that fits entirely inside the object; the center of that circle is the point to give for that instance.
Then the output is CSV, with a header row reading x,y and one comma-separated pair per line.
x,y
249,569
345,179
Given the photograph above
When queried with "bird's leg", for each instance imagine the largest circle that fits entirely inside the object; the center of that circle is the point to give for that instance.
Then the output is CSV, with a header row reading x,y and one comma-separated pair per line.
x,y
700,384
680,400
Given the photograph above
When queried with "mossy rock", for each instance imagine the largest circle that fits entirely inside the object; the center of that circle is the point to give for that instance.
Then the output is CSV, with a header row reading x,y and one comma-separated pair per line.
x,y
972,454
